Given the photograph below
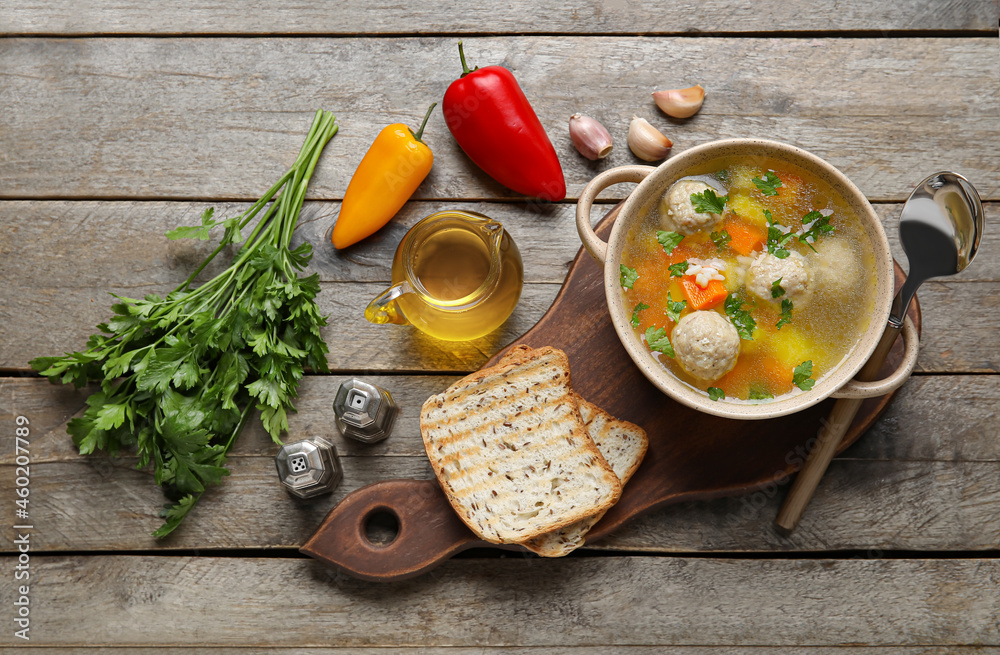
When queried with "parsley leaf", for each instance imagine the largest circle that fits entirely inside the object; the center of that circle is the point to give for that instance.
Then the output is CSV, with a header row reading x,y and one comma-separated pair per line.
x,y
740,318
674,309
669,240
722,175
678,269
175,514
181,376
635,313
720,239
715,393
810,217
776,239
232,234
759,394
769,185
628,276
786,313
707,202
802,375
656,339
820,225
777,290
195,231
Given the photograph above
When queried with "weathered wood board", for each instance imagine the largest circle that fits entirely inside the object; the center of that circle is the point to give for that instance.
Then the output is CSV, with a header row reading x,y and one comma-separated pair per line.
x,y
45,239
969,345
49,235
148,120
915,426
913,483
196,118
481,16
537,650
575,602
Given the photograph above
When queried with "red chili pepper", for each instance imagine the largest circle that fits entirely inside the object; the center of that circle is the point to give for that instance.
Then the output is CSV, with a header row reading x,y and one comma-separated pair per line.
x,y
492,121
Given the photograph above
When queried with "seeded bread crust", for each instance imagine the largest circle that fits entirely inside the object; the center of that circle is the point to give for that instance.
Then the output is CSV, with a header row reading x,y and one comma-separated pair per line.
x,y
511,451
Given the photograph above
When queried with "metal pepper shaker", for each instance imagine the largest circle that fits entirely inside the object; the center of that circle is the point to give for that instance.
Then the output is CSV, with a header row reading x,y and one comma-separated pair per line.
x,y
364,411
309,467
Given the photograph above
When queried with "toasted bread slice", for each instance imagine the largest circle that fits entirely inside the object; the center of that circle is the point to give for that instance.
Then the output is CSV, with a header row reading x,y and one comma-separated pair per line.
x,y
623,445
511,450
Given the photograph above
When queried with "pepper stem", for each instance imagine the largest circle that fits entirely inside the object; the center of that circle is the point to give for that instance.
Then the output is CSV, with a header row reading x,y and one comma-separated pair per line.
x,y
465,67
420,132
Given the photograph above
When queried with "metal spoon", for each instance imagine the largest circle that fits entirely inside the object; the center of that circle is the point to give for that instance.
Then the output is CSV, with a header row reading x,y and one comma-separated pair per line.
x,y
940,228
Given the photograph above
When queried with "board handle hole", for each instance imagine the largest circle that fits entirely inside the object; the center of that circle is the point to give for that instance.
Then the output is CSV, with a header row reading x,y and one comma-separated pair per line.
x,y
381,526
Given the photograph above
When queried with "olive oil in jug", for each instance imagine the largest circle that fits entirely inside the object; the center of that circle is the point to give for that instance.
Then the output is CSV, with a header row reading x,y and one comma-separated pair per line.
x,y
456,275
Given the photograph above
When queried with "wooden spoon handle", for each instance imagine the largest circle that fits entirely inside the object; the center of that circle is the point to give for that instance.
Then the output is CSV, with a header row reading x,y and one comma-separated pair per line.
x,y
429,531
830,435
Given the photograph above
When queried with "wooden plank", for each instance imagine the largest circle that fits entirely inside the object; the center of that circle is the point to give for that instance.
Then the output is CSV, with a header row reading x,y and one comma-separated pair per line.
x,y
915,427
914,482
196,118
959,328
48,234
45,238
869,507
529,650
277,602
479,16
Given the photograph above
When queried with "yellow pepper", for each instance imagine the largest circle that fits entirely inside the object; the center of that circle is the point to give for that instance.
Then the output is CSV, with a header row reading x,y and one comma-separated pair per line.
x,y
392,169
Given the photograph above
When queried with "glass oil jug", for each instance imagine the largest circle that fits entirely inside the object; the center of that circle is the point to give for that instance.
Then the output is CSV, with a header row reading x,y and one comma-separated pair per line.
x,y
456,275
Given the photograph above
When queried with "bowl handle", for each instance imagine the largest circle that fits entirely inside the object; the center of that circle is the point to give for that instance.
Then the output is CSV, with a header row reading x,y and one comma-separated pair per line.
x,y
858,389
597,248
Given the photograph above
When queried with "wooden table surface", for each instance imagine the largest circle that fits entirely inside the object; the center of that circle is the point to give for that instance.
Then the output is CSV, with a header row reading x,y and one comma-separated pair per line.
x,y
121,119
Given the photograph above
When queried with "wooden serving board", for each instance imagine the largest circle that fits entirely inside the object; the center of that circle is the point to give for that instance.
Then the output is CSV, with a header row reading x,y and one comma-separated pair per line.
x,y
691,456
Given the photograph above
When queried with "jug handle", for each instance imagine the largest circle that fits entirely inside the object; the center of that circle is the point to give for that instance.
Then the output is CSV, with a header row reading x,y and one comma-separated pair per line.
x,y
597,248
383,308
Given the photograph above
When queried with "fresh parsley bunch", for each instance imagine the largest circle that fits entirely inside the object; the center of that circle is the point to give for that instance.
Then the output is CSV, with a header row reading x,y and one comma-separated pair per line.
x,y
181,375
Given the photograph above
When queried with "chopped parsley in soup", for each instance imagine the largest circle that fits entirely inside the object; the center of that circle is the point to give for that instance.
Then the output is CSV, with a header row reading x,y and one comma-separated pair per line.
x,y
749,280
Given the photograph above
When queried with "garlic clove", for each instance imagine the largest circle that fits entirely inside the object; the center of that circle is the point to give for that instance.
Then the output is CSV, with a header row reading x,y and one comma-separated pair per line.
x,y
591,138
647,142
680,103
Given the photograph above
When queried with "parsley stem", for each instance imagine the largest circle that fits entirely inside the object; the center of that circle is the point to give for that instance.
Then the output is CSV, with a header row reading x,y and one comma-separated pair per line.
x,y
248,214
319,135
198,270
303,174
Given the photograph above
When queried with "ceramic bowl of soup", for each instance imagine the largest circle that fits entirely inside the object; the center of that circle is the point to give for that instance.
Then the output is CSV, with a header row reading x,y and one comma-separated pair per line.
x,y
747,278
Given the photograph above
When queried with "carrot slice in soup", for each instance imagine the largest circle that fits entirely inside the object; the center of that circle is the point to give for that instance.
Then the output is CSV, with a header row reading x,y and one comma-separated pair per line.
x,y
744,238
699,298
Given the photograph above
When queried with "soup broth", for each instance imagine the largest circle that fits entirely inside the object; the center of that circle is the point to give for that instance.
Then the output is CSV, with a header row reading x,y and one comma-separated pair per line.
x,y
770,248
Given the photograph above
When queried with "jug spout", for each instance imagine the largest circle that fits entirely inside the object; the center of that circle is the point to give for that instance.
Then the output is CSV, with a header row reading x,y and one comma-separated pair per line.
x,y
493,233
384,308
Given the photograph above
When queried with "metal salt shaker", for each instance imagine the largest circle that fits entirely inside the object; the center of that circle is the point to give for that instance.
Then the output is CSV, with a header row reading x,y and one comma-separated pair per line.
x,y
364,411
309,468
